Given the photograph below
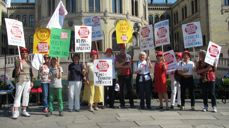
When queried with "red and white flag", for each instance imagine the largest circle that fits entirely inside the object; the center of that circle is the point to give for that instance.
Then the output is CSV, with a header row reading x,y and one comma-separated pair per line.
x,y
57,19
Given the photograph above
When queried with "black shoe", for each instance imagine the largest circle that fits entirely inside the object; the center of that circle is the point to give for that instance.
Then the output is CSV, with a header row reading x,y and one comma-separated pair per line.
x,y
48,114
149,107
178,106
142,107
122,106
171,107
132,106
61,113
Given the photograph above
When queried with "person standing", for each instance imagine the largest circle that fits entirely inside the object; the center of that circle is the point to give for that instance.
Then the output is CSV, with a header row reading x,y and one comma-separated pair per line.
x,y
123,65
110,90
186,69
75,78
175,84
160,70
55,74
45,81
24,76
207,80
95,92
142,69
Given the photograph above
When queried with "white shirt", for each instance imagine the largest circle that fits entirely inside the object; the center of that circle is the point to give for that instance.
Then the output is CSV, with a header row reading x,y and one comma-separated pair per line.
x,y
55,82
143,67
189,67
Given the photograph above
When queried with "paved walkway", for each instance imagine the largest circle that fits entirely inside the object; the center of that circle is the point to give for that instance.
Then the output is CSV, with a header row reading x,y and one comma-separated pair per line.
x,y
123,118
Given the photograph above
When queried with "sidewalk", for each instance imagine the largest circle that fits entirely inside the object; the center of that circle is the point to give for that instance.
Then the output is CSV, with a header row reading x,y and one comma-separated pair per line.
x,y
124,118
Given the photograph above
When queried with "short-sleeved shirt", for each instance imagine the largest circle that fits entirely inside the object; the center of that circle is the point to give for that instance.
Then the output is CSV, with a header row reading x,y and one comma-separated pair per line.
x,y
123,58
44,73
143,67
55,82
75,72
189,66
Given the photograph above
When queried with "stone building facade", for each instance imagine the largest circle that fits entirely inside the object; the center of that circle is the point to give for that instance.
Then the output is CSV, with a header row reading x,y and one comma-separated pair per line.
x,y
110,11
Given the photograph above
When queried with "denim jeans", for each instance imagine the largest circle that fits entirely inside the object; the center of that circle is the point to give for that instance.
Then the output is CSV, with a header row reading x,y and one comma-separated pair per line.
x,y
45,93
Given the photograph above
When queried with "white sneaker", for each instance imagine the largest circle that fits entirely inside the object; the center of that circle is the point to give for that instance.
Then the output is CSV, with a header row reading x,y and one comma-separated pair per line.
x,y
15,114
205,109
25,113
214,109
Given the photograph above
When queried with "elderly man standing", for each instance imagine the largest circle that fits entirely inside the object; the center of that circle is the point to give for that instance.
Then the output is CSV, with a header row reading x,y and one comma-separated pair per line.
x,y
123,65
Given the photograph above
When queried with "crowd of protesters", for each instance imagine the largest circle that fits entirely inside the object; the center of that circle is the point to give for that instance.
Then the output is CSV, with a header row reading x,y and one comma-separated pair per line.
x,y
81,75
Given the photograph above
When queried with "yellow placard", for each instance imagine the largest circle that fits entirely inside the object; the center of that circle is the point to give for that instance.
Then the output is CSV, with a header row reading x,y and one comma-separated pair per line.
x,y
123,32
41,41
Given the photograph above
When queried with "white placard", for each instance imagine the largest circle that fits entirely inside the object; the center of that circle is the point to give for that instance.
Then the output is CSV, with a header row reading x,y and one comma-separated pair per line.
x,y
213,53
146,38
103,72
15,32
161,32
171,61
192,35
94,22
83,38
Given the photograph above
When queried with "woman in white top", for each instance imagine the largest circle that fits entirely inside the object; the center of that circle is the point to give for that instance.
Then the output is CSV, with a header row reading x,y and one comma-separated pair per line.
x,y
144,81
175,84
186,69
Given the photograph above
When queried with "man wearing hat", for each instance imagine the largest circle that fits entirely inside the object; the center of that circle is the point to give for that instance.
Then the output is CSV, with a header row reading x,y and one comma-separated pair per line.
x,y
123,65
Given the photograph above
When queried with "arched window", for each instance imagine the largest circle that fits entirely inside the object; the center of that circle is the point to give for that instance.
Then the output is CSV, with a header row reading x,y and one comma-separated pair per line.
x,y
157,18
18,17
151,19
162,17
24,20
115,46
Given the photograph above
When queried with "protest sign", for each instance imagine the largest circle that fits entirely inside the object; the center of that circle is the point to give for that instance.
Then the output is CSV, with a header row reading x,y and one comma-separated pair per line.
x,y
146,38
192,35
94,22
60,42
161,32
83,38
41,41
170,60
103,72
213,53
15,32
123,32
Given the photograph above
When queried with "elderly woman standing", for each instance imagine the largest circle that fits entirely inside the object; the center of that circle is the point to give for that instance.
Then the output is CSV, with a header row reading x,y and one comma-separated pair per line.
x,y
24,84
207,80
186,70
142,69
95,93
